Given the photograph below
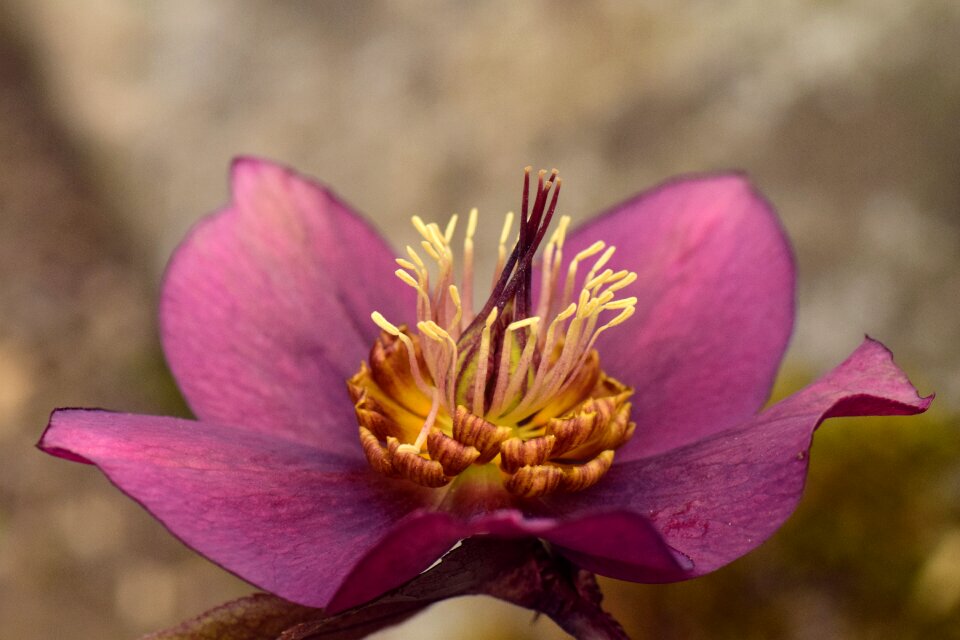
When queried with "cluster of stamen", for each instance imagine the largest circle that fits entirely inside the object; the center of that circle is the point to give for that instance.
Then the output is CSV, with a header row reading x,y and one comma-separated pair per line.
x,y
508,385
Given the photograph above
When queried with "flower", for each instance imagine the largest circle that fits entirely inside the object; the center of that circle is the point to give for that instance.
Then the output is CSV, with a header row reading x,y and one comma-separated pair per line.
x,y
265,312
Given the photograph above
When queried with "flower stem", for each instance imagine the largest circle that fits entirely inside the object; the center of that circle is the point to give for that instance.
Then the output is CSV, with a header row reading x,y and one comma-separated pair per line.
x,y
551,585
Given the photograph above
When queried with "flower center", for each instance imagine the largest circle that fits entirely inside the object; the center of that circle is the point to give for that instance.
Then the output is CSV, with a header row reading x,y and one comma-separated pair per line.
x,y
509,385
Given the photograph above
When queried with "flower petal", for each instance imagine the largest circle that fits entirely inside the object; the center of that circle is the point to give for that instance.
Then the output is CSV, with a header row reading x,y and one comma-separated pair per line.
x,y
715,306
266,307
717,499
279,514
424,536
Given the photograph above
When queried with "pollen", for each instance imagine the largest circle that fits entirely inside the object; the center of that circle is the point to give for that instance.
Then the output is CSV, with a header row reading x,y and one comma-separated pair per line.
x,y
511,384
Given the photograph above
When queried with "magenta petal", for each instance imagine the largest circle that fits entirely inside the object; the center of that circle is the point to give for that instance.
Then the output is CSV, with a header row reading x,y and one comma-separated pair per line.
x,y
715,306
605,543
288,518
266,307
412,546
717,499
619,544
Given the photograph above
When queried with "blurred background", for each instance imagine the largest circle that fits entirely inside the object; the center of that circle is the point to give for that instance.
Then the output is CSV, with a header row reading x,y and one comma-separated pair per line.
x,y
118,119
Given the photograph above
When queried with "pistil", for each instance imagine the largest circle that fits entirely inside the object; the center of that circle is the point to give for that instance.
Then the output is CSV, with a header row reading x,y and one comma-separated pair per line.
x,y
511,384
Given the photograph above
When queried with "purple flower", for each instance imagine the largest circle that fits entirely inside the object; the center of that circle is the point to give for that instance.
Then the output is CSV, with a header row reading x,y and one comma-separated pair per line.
x,y
265,314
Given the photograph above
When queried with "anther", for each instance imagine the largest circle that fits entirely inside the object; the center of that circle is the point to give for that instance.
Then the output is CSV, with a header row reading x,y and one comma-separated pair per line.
x,y
495,382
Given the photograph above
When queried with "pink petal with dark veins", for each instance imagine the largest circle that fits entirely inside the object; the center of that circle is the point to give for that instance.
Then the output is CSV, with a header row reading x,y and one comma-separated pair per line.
x,y
715,306
288,518
424,536
717,499
266,307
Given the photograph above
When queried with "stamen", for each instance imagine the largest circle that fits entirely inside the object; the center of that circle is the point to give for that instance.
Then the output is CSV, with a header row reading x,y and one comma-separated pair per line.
x,y
483,359
499,385
406,277
532,394
468,263
416,258
627,279
454,326
393,330
592,250
502,247
419,225
601,261
428,423
622,317
506,356
599,280
422,287
445,363
437,239
428,247
525,199
508,384
552,258
451,227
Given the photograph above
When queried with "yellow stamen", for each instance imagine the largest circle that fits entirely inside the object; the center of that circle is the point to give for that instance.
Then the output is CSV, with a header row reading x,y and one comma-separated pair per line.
x,y
480,381
498,390
592,250
468,264
428,423
451,227
455,297
393,330
505,371
502,247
